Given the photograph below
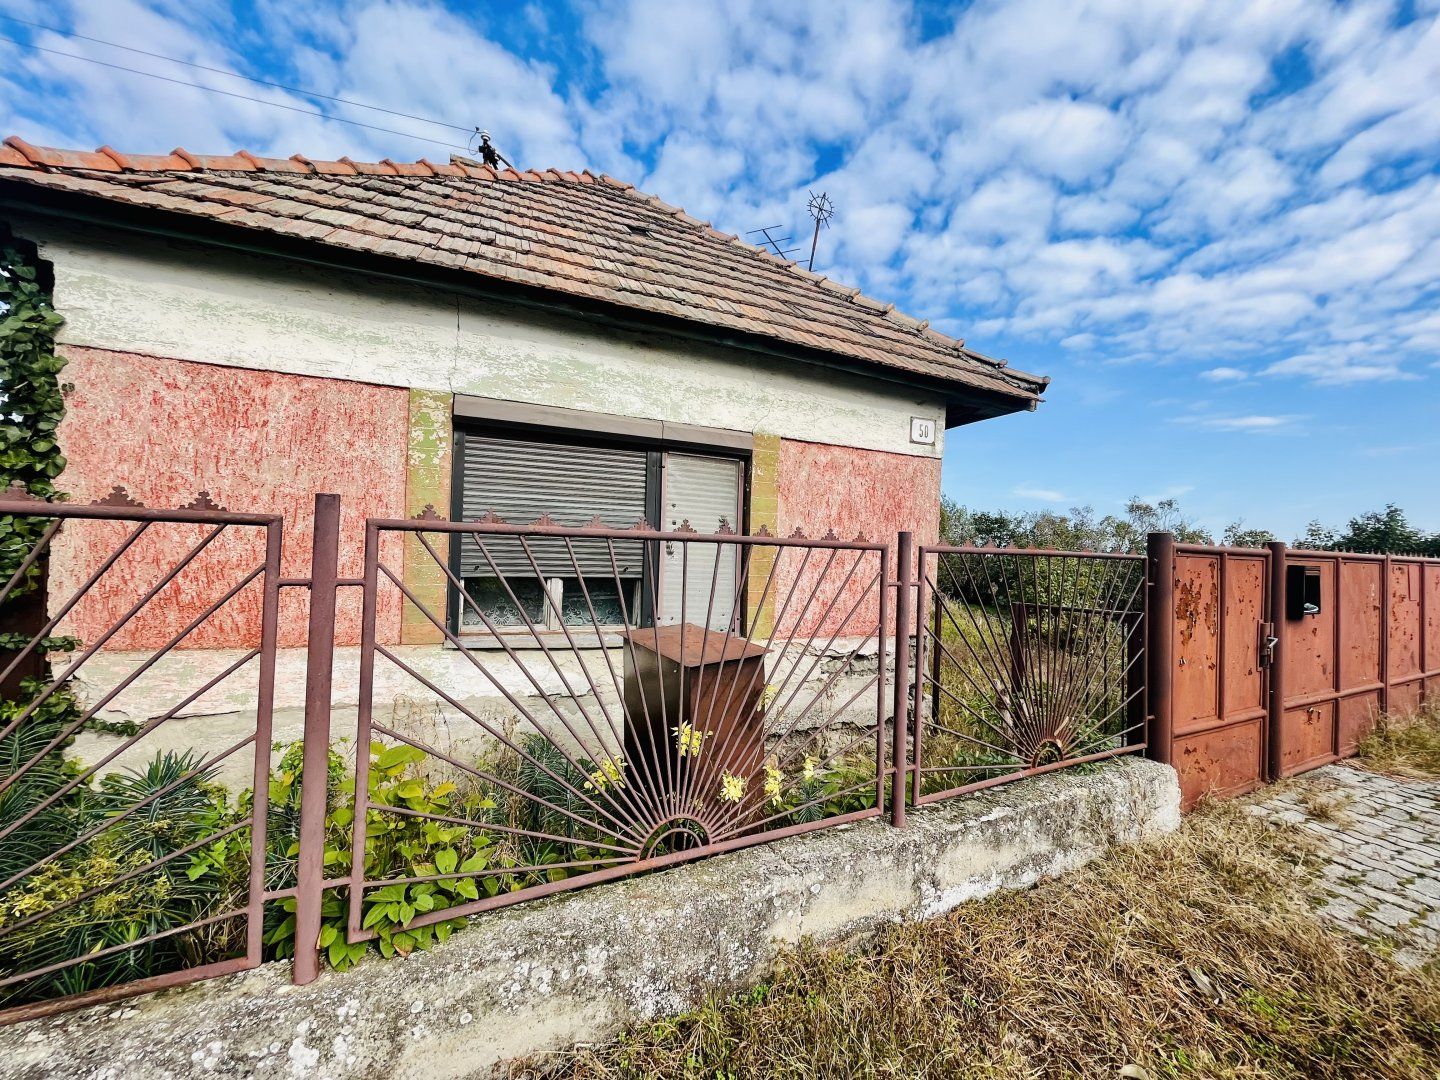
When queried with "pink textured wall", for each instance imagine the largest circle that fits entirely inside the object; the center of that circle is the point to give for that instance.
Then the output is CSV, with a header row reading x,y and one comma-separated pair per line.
x,y
258,442
853,492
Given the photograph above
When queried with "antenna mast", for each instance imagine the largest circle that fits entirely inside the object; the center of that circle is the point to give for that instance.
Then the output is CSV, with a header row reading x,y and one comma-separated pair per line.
x,y
774,242
480,143
822,210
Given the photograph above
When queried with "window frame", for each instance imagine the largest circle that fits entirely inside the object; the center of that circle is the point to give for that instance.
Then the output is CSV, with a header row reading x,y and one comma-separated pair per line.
x,y
604,432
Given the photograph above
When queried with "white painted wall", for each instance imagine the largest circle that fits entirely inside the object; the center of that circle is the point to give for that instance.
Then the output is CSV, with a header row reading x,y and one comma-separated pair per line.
x,y
176,299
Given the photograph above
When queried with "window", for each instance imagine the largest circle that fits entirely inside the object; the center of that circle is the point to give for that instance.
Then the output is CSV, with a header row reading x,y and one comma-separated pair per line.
x,y
545,584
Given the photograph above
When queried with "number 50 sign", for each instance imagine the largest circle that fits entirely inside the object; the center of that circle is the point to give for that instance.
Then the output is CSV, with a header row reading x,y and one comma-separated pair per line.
x,y
922,431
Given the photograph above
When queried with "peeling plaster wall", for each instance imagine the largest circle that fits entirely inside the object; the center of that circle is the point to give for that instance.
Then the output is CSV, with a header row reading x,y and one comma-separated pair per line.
x,y
257,441
854,492
178,299
578,967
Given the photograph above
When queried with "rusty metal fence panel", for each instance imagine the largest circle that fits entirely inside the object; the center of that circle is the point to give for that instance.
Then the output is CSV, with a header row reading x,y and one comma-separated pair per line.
x,y
1026,661
1249,685
614,700
1214,696
1373,648
98,894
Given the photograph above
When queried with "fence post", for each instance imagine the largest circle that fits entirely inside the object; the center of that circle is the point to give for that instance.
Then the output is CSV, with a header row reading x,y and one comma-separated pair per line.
x,y
904,616
1160,648
27,616
319,672
1386,614
1275,710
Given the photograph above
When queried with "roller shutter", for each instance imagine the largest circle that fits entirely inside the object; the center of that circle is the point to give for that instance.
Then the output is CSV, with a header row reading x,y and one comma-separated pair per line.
x,y
520,480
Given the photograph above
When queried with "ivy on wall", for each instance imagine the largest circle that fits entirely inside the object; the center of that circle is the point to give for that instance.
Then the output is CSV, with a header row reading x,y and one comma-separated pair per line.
x,y
32,400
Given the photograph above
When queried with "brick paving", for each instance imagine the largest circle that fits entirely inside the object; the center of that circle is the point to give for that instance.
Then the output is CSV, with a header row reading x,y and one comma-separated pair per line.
x,y
1379,837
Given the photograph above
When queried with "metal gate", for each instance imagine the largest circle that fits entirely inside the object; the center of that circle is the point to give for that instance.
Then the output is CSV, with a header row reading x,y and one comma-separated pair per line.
x,y
1026,661
1211,665
1269,662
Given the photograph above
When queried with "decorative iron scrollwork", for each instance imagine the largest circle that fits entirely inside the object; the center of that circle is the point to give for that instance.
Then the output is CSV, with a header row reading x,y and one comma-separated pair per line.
x,y
203,501
118,496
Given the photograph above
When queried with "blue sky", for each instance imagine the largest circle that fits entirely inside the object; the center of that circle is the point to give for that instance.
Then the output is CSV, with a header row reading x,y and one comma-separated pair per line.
x,y
1215,224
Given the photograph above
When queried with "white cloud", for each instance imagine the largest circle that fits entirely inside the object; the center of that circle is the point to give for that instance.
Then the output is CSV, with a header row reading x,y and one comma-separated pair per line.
x,y
1039,494
1225,374
1254,424
1339,366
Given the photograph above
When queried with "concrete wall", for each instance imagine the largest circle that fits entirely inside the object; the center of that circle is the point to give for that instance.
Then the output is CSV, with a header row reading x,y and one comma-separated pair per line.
x,y
578,967
186,301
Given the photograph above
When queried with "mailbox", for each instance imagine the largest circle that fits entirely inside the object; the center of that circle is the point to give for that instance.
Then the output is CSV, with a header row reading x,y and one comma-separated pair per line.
x,y
1302,591
712,681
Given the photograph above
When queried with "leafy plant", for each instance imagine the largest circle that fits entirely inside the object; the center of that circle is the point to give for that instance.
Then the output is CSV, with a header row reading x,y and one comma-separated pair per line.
x,y
34,402
123,885
47,830
396,846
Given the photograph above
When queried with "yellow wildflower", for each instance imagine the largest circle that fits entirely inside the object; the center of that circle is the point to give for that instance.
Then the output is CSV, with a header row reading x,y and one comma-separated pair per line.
x,y
690,740
607,774
732,788
808,772
773,777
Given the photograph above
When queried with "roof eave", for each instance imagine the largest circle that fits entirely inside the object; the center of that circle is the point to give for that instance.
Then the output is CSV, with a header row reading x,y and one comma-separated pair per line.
x,y
964,403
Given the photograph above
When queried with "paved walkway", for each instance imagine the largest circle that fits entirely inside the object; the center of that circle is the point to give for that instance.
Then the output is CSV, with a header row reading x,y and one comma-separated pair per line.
x,y
1381,839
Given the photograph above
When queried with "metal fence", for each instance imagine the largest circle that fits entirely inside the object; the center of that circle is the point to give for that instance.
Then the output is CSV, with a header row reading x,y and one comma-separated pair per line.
x,y
1026,662
593,702
97,895
675,695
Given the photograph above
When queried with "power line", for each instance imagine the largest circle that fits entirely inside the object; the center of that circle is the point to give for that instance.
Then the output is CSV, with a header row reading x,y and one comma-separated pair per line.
x,y
232,94
231,74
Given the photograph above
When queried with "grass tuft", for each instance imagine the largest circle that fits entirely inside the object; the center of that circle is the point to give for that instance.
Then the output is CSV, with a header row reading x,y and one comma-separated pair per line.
x,y
1197,955
1405,746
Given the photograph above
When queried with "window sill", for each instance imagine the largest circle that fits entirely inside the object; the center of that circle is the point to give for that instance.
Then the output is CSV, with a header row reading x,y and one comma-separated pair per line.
x,y
550,639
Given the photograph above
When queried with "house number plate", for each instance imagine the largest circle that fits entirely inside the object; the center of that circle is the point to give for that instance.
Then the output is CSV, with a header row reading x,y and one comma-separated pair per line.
x,y
922,430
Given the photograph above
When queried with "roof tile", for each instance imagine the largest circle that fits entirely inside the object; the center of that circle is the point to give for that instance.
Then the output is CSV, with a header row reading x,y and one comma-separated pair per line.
x,y
572,233
63,159
220,162
371,168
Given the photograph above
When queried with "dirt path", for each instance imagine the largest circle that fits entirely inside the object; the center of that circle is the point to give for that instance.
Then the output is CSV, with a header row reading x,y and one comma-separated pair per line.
x,y
1380,838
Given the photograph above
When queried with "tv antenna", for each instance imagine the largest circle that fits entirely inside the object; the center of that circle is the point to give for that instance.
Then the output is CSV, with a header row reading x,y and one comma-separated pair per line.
x,y
822,210
480,144
774,242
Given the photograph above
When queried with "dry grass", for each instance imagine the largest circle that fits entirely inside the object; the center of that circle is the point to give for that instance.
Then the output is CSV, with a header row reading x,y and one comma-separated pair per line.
x,y
1195,956
1321,804
1405,746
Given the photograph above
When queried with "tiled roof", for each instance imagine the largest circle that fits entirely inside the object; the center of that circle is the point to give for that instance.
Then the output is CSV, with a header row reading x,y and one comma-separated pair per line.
x,y
573,233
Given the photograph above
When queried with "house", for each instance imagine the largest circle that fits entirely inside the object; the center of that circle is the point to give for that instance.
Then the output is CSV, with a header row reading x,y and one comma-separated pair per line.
x,y
413,334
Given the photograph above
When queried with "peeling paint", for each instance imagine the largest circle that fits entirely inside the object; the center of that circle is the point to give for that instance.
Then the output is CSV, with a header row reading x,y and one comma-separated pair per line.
x,y
257,441
127,292
852,492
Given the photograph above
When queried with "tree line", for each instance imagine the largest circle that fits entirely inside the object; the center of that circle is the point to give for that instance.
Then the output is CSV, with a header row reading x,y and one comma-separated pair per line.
x,y
1386,531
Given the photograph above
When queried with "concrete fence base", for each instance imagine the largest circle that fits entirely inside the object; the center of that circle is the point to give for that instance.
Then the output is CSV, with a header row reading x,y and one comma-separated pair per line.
x,y
578,967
